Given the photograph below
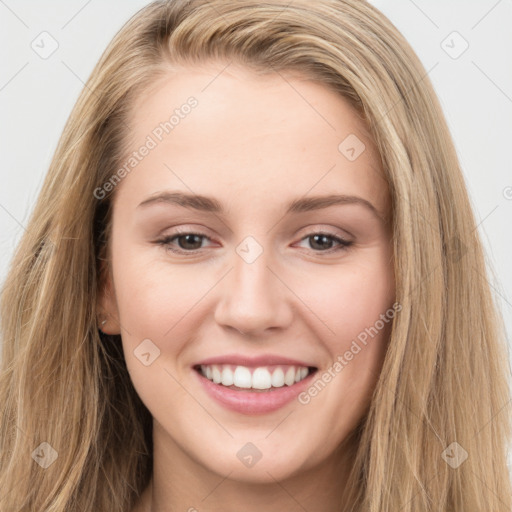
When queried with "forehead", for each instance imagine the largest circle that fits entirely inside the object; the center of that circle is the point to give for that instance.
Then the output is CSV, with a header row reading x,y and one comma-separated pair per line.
x,y
281,134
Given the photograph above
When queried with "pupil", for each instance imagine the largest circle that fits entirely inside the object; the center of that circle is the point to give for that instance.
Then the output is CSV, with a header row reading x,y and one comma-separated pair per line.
x,y
190,238
324,237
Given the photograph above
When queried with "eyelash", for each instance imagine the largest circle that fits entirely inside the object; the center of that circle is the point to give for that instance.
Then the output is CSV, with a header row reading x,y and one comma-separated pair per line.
x,y
166,242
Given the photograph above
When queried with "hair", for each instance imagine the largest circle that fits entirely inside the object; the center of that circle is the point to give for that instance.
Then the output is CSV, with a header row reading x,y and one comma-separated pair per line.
x,y
444,377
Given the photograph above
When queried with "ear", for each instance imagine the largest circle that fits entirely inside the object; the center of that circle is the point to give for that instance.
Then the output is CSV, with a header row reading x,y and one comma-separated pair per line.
x,y
106,308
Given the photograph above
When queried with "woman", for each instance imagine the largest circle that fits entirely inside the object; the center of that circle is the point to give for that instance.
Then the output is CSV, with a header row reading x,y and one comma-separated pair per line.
x,y
260,370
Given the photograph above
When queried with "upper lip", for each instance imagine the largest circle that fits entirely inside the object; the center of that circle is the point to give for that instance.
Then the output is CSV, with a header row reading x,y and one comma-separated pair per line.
x,y
253,361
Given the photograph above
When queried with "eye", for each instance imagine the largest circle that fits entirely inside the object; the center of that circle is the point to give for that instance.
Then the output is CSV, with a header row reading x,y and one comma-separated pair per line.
x,y
187,242
320,240
190,242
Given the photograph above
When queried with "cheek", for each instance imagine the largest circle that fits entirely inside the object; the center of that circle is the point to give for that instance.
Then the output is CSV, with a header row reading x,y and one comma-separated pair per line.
x,y
351,298
153,294
156,303
357,315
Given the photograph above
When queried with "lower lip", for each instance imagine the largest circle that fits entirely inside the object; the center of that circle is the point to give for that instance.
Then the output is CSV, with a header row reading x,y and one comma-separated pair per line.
x,y
253,402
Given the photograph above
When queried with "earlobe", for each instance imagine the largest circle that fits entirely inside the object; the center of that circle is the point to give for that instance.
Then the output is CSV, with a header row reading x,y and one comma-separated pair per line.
x,y
107,311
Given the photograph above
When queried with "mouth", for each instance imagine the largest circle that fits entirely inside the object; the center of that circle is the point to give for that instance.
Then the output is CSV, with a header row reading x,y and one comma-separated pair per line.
x,y
254,379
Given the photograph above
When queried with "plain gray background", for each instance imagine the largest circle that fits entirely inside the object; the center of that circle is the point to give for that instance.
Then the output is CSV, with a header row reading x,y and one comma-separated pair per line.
x,y
465,47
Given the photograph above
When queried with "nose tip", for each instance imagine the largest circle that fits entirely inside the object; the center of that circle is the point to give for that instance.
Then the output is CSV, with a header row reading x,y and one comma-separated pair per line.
x,y
253,300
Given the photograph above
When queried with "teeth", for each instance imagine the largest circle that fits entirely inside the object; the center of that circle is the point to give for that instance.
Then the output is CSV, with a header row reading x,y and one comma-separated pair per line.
x,y
227,376
242,377
260,378
278,378
216,375
301,374
289,377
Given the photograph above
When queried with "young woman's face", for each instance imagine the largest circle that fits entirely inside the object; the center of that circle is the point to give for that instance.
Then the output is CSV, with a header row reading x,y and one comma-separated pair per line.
x,y
265,290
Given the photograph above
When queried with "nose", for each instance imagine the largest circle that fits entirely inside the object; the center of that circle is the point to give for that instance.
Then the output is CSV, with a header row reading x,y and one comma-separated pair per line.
x,y
254,298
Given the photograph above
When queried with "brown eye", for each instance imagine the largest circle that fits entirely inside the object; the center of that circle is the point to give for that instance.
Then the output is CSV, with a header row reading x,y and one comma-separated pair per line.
x,y
190,241
187,242
322,242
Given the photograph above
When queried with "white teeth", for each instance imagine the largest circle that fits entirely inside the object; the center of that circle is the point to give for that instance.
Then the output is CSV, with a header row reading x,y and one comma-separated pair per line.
x,y
216,375
289,377
260,378
242,377
227,376
278,378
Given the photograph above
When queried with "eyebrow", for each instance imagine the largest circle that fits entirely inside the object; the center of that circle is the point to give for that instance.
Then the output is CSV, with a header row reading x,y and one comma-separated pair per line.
x,y
212,205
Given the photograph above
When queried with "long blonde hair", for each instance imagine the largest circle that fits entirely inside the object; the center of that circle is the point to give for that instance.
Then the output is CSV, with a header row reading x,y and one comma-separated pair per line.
x,y
444,379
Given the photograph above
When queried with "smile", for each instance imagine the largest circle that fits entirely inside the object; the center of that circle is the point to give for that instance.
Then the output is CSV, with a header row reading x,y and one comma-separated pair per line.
x,y
259,378
253,390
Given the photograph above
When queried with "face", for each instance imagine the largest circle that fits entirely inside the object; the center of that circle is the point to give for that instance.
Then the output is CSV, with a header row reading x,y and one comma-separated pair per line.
x,y
243,316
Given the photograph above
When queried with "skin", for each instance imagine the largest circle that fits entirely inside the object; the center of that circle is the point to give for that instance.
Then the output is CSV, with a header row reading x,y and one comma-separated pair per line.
x,y
254,143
